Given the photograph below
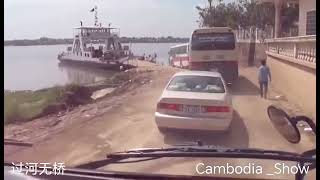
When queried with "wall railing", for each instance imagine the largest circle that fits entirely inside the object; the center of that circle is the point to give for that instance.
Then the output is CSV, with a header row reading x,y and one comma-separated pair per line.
x,y
298,49
256,34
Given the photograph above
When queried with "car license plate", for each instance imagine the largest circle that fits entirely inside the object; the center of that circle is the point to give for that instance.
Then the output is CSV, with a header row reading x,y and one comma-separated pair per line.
x,y
191,109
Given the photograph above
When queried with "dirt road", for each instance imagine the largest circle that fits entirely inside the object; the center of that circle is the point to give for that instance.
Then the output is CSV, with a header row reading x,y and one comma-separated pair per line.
x,y
130,124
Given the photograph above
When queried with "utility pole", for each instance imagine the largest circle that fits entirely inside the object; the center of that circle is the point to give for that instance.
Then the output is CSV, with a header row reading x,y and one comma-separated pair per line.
x,y
210,12
252,47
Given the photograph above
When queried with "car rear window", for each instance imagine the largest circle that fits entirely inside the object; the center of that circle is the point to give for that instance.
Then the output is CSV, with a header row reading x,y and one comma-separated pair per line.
x,y
213,41
192,83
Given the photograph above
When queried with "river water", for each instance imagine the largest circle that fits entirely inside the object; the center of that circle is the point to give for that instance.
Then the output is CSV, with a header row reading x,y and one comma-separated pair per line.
x,y
37,67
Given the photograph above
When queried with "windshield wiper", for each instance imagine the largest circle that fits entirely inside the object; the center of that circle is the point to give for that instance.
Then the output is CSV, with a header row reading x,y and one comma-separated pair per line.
x,y
16,142
209,151
145,154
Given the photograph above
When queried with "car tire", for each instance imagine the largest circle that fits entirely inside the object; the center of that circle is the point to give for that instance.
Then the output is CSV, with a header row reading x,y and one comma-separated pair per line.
x,y
227,131
224,131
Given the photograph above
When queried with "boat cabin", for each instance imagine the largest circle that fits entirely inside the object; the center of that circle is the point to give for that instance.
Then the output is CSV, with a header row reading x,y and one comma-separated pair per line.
x,y
97,42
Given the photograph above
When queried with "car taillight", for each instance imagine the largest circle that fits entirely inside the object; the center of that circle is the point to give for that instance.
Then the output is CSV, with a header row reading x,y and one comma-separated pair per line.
x,y
175,107
217,109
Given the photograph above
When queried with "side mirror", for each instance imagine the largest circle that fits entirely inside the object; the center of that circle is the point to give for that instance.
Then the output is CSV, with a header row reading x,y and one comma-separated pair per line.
x,y
286,125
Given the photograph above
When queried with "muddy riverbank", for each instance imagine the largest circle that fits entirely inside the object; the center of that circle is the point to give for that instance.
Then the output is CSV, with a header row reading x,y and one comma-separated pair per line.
x,y
95,100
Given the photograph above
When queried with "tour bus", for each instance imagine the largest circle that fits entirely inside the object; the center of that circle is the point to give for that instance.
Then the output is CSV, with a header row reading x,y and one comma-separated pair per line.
x,y
178,56
214,49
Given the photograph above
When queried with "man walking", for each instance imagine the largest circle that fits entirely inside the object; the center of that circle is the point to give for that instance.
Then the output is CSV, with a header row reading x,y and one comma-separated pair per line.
x,y
264,76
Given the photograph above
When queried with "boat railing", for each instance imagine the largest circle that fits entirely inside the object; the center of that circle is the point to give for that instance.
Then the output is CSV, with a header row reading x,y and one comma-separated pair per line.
x,y
115,32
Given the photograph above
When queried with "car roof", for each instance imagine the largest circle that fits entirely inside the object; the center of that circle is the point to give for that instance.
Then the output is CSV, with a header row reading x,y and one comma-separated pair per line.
x,y
212,30
198,73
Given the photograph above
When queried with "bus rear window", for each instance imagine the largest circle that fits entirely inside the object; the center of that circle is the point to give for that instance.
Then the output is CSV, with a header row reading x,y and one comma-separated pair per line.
x,y
178,50
213,41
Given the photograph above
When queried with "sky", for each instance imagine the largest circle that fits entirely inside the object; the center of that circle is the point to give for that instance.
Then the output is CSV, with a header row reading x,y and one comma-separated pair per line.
x,y
32,19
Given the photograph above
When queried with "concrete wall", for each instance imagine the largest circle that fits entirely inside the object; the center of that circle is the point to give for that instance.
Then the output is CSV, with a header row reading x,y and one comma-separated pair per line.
x,y
304,7
296,82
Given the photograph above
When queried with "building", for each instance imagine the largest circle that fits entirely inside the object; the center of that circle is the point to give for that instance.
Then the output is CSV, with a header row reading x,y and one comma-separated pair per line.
x,y
307,15
292,60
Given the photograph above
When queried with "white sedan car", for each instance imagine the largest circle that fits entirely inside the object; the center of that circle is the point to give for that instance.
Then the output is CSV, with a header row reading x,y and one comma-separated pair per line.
x,y
196,100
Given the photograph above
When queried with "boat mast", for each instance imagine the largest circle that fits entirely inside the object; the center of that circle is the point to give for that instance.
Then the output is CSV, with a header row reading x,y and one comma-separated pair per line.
x,y
96,16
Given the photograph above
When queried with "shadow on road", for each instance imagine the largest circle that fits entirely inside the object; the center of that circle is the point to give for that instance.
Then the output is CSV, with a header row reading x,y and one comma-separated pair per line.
x,y
237,137
244,86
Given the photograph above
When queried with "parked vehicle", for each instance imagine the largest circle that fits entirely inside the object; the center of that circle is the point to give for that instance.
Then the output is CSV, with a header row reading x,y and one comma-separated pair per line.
x,y
178,56
214,48
195,100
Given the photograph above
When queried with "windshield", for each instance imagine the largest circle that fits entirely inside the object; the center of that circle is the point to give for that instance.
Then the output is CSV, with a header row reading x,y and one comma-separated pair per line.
x,y
204,84
83,79
213,41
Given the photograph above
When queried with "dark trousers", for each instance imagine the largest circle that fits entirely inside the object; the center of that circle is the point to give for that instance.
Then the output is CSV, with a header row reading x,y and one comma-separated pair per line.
x,y
263,89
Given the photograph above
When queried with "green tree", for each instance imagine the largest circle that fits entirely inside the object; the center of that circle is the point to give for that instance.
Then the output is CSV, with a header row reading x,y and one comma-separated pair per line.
x,y
243,13
208,15
258,15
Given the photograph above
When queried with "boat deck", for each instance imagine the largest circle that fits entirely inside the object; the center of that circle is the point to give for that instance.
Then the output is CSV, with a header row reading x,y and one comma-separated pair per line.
x,y
122,63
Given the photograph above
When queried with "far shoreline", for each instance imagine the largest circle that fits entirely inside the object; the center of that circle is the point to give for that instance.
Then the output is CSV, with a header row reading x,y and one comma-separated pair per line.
x,y
122,43
66,41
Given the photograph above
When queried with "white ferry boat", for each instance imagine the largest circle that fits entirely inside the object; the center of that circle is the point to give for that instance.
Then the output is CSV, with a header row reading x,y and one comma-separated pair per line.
x,y
98,46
